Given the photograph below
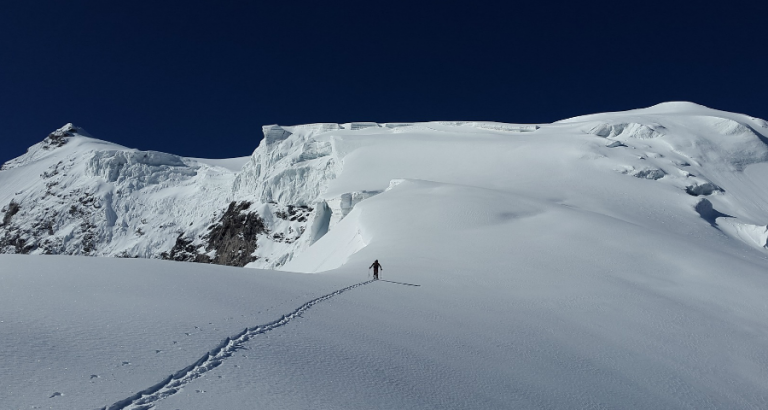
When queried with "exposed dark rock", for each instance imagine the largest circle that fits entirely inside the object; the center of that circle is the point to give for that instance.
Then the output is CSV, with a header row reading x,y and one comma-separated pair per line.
x,y
13,242
125,254
13,209
185,251
233,239
295,213
54,170
704,189
59,137
89,238
25,235
653,174
54,141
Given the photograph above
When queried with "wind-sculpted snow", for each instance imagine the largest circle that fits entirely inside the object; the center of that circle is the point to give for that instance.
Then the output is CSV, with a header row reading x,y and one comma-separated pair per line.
x,y
628,130
274,133
754,235
140,168
293,171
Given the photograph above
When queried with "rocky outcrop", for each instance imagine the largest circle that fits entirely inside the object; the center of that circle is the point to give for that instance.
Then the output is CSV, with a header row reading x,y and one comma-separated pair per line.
x,y
234,238
186,251
12,239
232,241
59,137
11,210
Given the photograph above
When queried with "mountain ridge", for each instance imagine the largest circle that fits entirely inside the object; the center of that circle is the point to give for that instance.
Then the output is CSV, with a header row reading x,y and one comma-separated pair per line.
x,y
74,194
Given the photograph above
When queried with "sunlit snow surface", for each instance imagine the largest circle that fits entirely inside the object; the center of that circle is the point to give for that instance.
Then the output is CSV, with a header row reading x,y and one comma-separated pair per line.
x,y
608,261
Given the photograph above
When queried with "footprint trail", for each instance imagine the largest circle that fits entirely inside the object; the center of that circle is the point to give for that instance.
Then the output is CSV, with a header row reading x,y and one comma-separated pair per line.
x,y
172,384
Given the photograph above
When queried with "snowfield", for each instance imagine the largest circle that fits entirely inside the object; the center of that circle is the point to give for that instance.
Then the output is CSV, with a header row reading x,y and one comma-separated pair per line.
x,y
614,260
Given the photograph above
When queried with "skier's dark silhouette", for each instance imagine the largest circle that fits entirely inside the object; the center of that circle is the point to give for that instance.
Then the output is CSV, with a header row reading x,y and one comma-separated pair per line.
x,y
376,265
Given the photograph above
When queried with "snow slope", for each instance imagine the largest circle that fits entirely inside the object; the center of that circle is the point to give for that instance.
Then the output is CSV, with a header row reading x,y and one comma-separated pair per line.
x,y
616,260
96,330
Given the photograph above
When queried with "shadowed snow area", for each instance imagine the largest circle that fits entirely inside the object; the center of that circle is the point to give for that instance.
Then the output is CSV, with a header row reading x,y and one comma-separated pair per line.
x,y
615,260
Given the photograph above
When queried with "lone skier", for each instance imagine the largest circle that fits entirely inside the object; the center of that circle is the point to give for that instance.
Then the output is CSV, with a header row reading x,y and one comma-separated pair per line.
x,y
376,265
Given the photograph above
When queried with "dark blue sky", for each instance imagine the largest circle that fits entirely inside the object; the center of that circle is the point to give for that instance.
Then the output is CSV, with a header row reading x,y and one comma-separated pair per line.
x,y
201,78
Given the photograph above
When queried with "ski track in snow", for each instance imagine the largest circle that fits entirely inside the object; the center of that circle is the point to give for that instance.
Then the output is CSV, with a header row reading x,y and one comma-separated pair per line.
x,y
172,384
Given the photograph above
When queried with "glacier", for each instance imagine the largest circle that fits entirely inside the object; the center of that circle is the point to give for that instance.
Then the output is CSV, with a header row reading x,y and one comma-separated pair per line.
x,y
76,195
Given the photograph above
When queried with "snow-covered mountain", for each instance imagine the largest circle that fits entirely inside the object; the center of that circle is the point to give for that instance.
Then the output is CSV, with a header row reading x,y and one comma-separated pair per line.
x,y
614,260
76,195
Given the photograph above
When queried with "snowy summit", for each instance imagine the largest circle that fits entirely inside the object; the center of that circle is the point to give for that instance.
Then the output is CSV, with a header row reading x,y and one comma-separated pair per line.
x,y
614,260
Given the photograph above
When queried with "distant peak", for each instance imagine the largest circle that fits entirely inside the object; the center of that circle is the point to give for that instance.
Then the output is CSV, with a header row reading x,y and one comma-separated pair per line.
x,y
679,106
61,136
69,130
68,127
687,108
665,108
